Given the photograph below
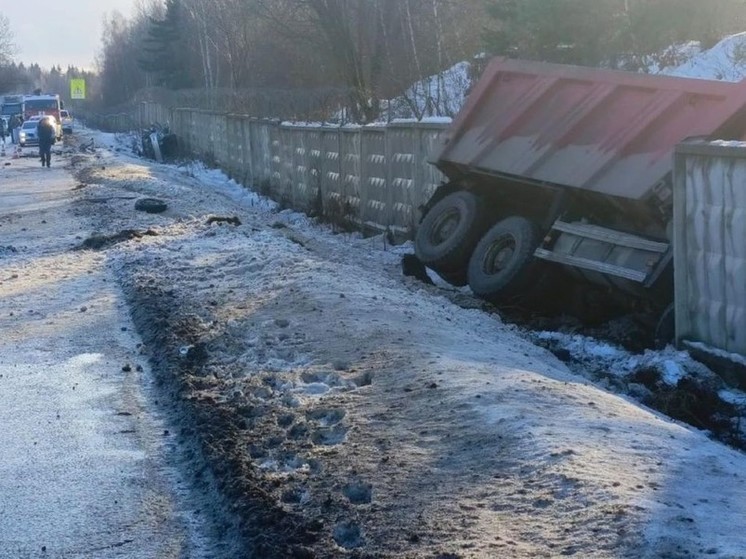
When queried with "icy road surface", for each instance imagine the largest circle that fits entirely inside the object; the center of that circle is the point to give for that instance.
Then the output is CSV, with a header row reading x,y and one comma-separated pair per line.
x,y
83,472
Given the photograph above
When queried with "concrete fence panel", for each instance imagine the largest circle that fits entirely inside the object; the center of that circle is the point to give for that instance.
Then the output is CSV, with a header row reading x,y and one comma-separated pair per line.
x,y
330,181
401,159
428,177
261,142
304,165
374,177
314,161
246,171
286,150
375,194
189,130
350,201
178,127
223,149
277,164
710,244
206,125
234,146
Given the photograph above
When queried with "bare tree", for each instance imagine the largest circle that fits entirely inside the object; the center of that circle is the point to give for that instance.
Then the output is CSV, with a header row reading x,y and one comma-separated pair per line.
x,y
208,47
366,50
7,46
349,37
117,64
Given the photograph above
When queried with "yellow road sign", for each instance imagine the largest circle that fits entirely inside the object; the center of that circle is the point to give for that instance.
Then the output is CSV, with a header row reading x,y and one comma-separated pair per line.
x,y
77,88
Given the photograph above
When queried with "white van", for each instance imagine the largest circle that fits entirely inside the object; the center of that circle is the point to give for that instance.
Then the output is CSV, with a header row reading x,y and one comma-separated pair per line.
x,y
67,121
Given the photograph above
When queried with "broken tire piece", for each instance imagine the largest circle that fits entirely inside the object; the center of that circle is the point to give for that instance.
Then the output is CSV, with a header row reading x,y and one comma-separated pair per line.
x,y
98,242
151,205
221,219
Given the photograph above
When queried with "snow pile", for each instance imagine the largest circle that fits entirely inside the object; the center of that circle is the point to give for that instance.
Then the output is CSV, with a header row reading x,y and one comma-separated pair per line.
x,y
439,95
725,61
671,57
597,355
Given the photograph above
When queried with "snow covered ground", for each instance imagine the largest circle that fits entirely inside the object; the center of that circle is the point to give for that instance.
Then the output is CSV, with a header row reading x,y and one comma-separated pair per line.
x,y
349,411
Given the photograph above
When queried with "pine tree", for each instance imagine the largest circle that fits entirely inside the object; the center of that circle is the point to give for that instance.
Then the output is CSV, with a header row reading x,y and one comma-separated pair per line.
x,y
161,54
616,33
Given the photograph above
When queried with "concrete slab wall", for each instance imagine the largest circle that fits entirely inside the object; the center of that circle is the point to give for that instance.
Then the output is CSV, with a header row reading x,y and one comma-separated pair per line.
x,y
710,244
372,177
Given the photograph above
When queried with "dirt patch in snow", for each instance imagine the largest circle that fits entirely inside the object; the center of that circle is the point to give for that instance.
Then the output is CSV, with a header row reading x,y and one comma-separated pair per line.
x,y
97,242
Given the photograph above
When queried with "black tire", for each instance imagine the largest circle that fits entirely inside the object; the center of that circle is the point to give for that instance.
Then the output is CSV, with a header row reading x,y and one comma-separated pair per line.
x,y
449,232
502,259
151,205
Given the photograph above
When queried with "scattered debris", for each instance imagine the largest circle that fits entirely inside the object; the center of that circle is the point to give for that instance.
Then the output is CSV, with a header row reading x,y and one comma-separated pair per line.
x,y
151,205
222,219
97,242
413,267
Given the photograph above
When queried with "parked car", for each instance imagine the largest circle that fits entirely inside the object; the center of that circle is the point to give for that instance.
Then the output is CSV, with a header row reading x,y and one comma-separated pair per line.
x,y
67,122
55,121
27,135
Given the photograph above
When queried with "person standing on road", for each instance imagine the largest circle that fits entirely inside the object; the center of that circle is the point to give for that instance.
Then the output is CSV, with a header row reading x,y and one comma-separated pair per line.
x,y
2,131
45,131
13,123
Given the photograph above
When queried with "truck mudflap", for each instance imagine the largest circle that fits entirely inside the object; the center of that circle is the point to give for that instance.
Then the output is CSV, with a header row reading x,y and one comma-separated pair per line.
x,y
605,256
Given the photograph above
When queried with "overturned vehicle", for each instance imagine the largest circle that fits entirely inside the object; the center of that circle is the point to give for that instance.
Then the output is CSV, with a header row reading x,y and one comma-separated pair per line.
x,y
157,142
559,190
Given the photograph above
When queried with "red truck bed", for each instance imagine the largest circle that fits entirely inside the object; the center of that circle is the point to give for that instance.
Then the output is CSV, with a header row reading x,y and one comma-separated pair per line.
x,y
606,131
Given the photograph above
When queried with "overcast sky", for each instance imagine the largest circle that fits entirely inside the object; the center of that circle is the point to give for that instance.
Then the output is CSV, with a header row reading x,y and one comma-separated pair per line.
x,y
64,32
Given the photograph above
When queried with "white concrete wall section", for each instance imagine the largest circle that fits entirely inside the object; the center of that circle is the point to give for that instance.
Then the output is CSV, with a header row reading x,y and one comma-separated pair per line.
x,y
710,244
377,176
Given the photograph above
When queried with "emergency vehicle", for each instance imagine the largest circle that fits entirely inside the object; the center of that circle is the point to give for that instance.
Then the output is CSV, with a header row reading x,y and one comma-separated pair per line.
x,y
37,105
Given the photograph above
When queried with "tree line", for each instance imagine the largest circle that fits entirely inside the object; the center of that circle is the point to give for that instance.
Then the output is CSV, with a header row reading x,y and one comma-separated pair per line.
x,y
20,78
352,51
621,34
306,58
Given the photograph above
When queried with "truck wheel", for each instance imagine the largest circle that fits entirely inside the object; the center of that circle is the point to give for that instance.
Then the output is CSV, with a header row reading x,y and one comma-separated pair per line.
x,y
448,233
498,265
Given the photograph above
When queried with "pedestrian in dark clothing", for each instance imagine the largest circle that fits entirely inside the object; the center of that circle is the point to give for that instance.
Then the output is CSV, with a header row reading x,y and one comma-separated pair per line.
x,y
13,123
45,131
2,131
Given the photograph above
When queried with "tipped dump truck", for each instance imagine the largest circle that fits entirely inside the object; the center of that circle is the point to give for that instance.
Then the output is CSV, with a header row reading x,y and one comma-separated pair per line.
x,y
555,167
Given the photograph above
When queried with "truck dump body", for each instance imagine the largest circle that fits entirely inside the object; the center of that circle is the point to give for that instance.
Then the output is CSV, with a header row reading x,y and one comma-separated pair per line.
x,y
605,131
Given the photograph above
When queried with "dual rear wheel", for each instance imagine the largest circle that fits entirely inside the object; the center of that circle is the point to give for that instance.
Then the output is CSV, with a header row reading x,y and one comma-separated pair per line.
x,y
500,266
454,240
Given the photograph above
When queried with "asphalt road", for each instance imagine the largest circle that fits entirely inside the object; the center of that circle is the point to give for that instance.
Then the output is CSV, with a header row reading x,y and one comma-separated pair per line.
x,y
86,460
